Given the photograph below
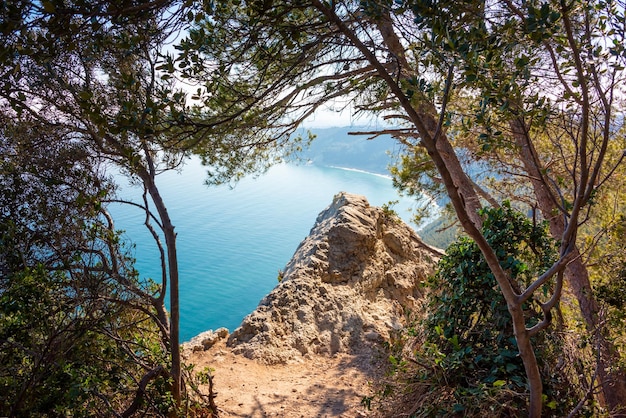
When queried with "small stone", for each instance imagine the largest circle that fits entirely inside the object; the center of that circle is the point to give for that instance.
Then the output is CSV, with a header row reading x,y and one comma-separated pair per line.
x,y
373,336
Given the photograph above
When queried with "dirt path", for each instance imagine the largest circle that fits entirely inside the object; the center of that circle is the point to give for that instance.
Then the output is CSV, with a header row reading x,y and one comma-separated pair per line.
x,y
316,387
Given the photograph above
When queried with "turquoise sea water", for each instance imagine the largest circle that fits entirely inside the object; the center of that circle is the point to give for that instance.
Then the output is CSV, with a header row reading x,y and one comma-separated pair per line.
x,y
233,242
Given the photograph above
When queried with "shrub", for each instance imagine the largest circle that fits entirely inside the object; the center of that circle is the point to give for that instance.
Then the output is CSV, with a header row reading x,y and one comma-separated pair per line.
x,y
464,356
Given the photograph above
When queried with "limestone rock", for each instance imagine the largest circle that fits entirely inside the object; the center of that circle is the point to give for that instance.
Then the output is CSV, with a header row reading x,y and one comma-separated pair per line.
x,y
206,340
349,283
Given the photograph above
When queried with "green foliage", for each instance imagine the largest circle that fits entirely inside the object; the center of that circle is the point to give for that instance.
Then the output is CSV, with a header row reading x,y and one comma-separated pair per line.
x,y
610,283
612,290
461,358
366,402
263,68
469,334
57,353
388,212
200,403
89,71
76,325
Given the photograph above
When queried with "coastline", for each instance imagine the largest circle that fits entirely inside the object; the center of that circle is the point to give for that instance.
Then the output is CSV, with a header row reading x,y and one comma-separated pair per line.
x,y
358,170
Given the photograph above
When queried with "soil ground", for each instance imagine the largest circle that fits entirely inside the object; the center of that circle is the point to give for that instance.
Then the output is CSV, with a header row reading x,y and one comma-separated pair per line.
x,y
316,387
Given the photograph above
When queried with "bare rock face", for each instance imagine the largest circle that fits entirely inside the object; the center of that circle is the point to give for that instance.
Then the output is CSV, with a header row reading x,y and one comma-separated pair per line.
x,y
349,283
206,340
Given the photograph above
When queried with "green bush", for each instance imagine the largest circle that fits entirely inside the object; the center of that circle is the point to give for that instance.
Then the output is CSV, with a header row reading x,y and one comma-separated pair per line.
x,y
66,350
78,328
468,331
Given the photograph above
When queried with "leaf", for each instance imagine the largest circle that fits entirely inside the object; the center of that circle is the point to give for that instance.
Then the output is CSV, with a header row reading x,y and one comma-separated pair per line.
x,y
522,62
510,367
499,383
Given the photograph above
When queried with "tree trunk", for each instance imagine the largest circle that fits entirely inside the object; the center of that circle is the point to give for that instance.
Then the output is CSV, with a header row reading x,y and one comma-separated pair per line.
x,y
527,355
613,383
172,262
170,242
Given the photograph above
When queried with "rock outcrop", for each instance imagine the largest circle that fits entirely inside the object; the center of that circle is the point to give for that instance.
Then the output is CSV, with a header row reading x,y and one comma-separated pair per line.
x,y
207,339
349,283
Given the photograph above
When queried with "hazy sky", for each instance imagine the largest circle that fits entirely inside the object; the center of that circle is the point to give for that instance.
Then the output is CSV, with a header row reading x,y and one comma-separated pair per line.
x,y
328,118
325,117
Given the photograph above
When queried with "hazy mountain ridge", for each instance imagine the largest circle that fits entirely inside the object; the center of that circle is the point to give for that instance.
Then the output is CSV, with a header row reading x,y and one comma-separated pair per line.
x,y
335,147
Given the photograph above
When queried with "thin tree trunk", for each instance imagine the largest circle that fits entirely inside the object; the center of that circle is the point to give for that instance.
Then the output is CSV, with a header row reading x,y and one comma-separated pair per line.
x,y
527,354
613,383
172,261
172,258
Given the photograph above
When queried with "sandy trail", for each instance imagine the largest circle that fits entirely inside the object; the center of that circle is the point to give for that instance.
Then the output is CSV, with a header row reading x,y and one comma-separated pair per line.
x,y
316,387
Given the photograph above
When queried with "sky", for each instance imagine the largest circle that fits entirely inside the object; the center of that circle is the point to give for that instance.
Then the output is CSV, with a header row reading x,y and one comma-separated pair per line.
x,y
326,118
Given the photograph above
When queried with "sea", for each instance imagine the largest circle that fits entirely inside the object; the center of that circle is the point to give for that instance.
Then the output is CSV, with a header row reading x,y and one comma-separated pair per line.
x,y
234,239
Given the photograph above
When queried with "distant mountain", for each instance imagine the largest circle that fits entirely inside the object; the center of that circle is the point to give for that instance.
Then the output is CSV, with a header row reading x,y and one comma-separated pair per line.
x,y
335,147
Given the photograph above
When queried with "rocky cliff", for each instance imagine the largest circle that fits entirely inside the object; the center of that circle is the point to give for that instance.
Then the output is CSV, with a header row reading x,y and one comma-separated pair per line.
x,y
349,283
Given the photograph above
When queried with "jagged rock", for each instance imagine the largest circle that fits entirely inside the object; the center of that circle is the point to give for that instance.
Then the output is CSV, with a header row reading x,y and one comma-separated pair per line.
x,y
349,282
206,340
